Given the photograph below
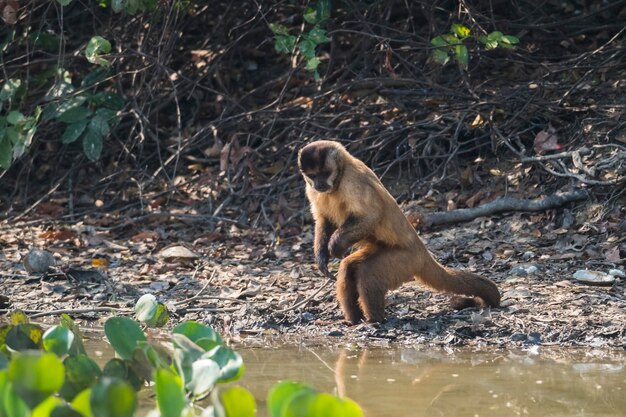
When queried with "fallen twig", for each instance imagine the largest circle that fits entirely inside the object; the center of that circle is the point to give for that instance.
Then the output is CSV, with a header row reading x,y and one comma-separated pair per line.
x,y
503,204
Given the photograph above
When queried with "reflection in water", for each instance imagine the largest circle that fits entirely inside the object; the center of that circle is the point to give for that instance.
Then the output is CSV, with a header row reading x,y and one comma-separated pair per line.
x,y
409,382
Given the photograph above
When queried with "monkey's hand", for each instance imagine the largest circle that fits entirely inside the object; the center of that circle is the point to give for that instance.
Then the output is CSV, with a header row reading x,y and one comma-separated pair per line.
x,y
322,261
338,245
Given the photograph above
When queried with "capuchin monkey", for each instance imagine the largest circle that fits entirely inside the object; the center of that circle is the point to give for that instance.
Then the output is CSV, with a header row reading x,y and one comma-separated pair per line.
x,y
352,208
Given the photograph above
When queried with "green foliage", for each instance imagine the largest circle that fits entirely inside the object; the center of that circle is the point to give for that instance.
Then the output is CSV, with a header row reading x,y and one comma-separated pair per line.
x,y
96,47
86,108
47,374
316,14
151,312
16,129
453,44
85,112
292,399
130,6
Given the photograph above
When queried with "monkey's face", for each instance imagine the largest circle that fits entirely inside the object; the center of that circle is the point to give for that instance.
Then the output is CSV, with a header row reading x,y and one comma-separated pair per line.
x,y
319,164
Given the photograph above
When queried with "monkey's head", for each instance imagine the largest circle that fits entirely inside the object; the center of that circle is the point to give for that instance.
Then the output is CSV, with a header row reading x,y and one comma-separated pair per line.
x,y
321,165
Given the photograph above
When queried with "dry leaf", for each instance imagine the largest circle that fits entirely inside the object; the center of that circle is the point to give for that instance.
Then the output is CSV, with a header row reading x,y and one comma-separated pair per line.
x,y
9,9
99,262
50,208
612,255
64,234
546,140
145,235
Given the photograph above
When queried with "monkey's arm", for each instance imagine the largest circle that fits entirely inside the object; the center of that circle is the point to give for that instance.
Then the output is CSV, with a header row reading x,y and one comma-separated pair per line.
x,y
323,231
353,230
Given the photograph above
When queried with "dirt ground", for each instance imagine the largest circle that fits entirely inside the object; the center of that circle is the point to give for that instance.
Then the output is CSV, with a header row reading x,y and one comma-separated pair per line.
x,y
239,280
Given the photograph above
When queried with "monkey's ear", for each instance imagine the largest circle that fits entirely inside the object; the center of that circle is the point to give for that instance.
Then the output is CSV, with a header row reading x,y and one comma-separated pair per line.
x,y
333,155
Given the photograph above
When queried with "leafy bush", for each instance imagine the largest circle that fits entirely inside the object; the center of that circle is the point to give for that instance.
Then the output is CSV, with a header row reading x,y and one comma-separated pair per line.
x,y
86,108
49,373
307,43
452,44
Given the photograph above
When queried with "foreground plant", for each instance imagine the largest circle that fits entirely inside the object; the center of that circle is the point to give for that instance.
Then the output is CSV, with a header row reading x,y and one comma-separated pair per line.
x,y
50,374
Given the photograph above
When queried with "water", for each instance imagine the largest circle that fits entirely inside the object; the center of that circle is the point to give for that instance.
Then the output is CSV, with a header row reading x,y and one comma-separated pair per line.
x,y
415,382
430,382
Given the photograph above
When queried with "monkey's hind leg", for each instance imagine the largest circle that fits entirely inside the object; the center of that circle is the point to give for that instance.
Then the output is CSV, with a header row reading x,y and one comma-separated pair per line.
x,y
378,272
347,289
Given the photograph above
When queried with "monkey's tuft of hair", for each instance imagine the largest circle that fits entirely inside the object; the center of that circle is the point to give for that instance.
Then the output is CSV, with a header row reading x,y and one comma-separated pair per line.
x,y
352,208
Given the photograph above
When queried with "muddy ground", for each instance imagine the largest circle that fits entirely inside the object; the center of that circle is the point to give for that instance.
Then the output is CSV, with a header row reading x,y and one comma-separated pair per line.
x,y
239,280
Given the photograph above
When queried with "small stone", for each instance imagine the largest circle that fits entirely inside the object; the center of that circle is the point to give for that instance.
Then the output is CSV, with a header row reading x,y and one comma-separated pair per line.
x,y
617,273
534,338
594,277
518,337
38,261
527,255
524,269
335,333
178,253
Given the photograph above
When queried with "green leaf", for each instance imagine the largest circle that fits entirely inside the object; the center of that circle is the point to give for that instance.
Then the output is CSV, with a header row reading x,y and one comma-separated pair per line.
x,y
196,331
97,75
9,88
495,36
92,145
77,347
462,55
13,404
81,403
99,125
229,361
64,2
310,15
238,402
112,397
55,109
285,44
326,405
204,376
169,391
491,45
6,153
281,394
460,30
307,48
112,101
95,47
118,5
145,307
19,317
318,35
45,408
73,131
64,411
124,334
15,117
440,56
75,114
508,39
24,336
439,42
80,373
58,340
312,64
151,312
278,29
322,10
36,376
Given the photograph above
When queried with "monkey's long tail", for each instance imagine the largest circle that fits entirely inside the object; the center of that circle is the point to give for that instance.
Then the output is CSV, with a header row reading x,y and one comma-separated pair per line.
x,y
460,282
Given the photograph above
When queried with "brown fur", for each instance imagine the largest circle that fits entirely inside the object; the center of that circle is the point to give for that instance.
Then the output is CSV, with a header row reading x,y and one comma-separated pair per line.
x,y
356,210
